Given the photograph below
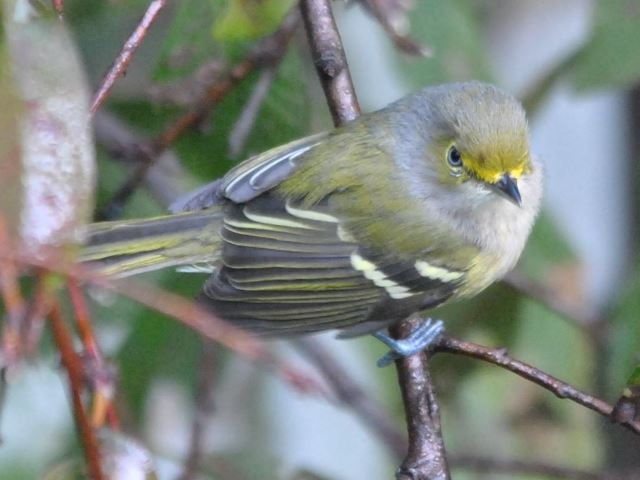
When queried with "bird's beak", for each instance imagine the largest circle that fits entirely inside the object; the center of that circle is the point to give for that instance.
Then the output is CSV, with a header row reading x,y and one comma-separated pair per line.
x,y
508,188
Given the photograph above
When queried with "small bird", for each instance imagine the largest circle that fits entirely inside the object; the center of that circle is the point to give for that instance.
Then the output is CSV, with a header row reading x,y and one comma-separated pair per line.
x,y
426,201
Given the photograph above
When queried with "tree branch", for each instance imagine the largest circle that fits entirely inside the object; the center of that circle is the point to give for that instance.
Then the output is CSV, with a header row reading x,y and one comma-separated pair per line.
x,y
329,59
265,52
500,357
426,456
73,366
122,61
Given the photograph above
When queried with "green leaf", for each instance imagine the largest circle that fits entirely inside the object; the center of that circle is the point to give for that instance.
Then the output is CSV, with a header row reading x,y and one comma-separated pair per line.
x,y
634,379
188,43
610,58
250,19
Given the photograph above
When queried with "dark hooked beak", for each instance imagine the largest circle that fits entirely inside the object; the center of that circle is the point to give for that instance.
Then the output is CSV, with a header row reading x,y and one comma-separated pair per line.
x,y
508,188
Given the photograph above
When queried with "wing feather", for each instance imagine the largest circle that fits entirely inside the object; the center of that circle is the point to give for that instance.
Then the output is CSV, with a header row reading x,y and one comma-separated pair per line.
x,y
291,269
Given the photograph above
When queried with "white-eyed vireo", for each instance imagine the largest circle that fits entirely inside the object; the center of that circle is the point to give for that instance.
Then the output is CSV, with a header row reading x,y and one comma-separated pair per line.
x,y
428,200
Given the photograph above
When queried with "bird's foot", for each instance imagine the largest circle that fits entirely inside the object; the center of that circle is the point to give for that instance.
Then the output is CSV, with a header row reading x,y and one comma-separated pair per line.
x,y
422,337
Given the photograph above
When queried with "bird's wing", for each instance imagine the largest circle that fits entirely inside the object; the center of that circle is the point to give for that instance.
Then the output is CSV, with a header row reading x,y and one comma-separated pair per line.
x,y
250,178
288,269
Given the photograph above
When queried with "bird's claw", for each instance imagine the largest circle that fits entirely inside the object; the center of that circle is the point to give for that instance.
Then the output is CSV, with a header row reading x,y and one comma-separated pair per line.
x,y
422,337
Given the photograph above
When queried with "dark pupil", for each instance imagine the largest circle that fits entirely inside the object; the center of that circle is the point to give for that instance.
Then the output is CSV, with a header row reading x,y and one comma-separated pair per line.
x,y
454,157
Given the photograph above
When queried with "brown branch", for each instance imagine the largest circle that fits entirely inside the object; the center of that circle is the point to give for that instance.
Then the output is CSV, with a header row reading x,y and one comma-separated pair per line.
x,y
100,375
14,305
186,311
500,357
41,301
265,52
351,395
73,365
329,59
122,61
426,457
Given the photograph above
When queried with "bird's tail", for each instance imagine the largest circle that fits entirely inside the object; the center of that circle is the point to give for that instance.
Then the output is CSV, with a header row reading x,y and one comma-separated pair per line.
x,y
128,247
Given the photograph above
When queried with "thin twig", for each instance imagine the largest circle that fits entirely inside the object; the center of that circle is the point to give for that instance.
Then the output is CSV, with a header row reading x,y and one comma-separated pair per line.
x,y
243,126
42,298
330,60
166,180
389,15
122,61
99,373
204,408
426,457
14,305
73,365
264,52
186,311
354,397
500,357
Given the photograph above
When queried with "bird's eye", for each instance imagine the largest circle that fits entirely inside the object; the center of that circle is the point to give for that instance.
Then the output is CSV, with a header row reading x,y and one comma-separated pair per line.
x,y
454,159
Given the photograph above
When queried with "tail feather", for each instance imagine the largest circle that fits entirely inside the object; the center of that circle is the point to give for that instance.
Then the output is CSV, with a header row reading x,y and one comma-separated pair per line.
x,y
128,247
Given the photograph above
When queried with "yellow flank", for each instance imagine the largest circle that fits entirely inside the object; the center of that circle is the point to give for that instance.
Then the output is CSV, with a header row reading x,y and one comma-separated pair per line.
x,y
310,214
437,273
371,272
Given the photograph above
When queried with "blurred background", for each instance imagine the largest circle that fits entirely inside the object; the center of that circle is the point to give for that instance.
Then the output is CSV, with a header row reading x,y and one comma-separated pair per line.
x,y
575,64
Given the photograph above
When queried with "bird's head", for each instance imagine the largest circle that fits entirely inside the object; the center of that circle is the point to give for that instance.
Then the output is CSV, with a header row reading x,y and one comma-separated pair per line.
x,y
478,140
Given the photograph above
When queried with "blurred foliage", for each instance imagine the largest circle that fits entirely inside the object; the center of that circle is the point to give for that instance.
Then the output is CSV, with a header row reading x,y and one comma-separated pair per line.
x,y
247,20
486,410
610,57
188,43
453,31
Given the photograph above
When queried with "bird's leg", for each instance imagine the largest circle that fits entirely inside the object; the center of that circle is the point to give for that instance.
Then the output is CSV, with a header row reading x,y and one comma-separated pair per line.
x,y
422,337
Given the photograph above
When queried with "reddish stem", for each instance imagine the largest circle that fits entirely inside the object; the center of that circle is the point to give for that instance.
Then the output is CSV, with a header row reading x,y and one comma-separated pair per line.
x,y
73,365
